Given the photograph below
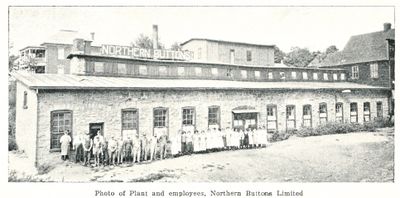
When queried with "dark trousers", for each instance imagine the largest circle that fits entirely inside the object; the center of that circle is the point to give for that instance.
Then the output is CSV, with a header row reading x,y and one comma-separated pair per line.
x,y
79,154
86,157
183,147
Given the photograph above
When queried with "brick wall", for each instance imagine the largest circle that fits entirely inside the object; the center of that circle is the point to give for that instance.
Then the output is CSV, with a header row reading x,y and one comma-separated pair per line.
x,y
105,106
26,122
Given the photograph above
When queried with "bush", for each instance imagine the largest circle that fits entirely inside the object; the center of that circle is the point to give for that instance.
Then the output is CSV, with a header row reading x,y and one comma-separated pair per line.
x,y
280,135
12,144
44,168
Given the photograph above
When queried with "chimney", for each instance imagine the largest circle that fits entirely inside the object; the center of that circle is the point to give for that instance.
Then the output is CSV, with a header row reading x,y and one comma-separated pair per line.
x,y
155,37
387,27
92,35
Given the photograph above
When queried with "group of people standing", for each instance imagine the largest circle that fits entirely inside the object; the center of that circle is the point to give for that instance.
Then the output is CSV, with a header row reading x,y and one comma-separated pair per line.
x,y
114,151
219,139
141,148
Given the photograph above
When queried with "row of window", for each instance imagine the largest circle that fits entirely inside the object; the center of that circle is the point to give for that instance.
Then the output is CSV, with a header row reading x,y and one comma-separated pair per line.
x,y
62,120
198,71
374,71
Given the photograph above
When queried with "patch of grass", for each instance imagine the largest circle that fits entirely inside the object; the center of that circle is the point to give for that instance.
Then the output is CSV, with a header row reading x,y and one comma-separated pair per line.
x,y
151,178
14,177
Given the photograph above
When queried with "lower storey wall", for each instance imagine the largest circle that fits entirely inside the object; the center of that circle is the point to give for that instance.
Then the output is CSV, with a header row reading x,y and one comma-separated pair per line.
x,y
105,107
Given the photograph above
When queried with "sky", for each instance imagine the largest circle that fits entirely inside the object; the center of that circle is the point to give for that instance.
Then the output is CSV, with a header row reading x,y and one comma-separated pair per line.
x,y
314,28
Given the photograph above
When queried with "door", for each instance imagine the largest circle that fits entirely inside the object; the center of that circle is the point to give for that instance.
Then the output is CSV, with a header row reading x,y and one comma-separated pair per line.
x,y
94,127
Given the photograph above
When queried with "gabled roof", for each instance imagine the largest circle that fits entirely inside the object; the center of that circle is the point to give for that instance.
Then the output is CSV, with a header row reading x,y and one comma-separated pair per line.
x,y
227,42
361,48
75,82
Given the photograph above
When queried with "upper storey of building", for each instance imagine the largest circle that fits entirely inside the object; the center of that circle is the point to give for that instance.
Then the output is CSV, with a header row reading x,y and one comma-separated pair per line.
x,y
227,52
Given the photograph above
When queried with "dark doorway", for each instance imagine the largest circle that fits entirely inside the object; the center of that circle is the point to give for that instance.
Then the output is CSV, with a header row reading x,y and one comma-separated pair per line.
x,y
94,127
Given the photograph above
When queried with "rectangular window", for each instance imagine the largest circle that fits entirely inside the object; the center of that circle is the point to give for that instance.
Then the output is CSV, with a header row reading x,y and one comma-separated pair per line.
x,y
282,75
379,110
305,76
60,121
354,72
213,115
99,67
232,56
248,55
142,70
334,76
162,70
160,117
315,76
121,68
214,71
290,117
323,113
181,71
342,76
188,115
339,112
60,53
257,74
272,124
367,112
198,71
270,76
130,119
294,75
326,76
353,112
307,116
243,73
374,70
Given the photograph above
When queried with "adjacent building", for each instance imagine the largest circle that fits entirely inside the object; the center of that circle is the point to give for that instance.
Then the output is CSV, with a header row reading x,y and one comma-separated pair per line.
x,y
51,56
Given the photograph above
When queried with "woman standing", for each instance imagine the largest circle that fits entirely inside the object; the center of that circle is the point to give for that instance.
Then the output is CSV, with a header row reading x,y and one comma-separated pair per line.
x,y
65,141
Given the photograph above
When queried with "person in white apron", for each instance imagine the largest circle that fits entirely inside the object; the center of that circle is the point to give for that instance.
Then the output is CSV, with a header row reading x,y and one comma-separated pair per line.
x,y
65,141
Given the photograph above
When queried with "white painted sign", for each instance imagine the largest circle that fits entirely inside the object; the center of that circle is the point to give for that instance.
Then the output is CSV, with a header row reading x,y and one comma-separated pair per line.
x,y
134,52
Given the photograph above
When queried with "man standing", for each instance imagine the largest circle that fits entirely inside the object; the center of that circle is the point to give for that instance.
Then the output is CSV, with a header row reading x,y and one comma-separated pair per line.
x,y
136,149
143,144
112,150
87,146
77,146
152,147
97,150
128,144
120,151
65,140
162,142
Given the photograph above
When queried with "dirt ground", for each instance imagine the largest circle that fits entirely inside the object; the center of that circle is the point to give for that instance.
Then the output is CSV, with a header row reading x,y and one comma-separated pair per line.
x,y
354,157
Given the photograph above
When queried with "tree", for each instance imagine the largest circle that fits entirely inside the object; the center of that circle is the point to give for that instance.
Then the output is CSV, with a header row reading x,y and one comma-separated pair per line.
x,y
279,55
176,46
331,49
144,41
298,57
11,62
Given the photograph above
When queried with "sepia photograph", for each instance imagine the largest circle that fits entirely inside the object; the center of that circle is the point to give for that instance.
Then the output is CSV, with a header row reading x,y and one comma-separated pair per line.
x,y
177,94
